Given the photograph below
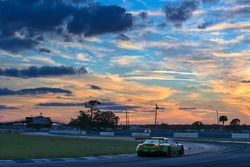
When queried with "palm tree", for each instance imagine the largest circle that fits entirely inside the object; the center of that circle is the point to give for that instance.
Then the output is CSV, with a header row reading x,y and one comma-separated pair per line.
x,y
235,122
223,119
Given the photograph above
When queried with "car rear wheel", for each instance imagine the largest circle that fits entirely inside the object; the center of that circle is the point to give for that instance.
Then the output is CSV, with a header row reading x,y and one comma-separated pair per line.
x,y
168,153
140,154
181,152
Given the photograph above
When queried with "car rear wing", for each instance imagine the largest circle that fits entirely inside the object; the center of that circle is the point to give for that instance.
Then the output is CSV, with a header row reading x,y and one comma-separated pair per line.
x,y
143,138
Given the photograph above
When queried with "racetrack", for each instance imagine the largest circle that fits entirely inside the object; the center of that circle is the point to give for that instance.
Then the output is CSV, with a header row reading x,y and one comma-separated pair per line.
x,y
206,155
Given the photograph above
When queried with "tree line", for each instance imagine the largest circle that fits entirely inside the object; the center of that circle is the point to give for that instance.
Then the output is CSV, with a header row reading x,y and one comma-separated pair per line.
x,y
94,119
222,119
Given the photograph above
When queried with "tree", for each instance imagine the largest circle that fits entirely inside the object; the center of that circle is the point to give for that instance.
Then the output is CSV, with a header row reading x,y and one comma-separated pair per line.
x,y
235,122
92,106
197,124
223,119
82,121
106,120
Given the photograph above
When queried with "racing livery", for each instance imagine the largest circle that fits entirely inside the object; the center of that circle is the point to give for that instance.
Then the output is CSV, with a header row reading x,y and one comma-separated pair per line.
x,y
160,146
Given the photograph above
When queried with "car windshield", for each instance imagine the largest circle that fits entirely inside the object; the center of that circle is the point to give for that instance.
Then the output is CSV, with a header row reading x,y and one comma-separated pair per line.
x,y
153,141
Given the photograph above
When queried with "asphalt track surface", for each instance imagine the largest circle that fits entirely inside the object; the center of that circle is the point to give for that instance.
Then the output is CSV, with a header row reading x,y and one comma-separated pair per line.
x,y
200,155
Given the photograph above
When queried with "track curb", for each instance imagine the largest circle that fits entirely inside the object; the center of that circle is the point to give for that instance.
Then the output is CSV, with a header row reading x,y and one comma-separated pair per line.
x,y
46,160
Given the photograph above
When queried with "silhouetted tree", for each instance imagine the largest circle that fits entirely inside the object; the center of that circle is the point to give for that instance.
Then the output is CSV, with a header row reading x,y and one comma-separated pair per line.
x,y
223,119
106,119
197,124
92,108
82,121
235,122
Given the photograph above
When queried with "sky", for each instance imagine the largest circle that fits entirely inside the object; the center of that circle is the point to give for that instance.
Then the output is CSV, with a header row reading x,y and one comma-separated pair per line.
x,y
191,57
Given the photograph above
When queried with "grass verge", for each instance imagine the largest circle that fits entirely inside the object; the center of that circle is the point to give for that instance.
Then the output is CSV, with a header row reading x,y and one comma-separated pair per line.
x,y
16,146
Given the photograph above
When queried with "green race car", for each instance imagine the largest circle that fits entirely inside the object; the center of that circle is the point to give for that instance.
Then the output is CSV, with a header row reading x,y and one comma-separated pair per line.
x,y
160,146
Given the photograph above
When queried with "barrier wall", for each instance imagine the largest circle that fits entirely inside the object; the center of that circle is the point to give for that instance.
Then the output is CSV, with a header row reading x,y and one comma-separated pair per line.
x,y
107,133
136,134
93,133
83,132
73,132
186,135
162,134
122,133
12,130
215,135
141,134
240,136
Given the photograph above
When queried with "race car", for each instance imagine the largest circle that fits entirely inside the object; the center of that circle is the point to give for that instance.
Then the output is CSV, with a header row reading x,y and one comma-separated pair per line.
x,y
159,146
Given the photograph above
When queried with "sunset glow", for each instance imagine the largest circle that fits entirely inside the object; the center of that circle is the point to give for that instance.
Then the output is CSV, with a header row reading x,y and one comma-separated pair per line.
x,y
189,65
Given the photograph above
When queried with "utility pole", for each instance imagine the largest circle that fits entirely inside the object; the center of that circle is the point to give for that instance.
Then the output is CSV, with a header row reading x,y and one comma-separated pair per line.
x,y
156,110
217,114
126,117
128,120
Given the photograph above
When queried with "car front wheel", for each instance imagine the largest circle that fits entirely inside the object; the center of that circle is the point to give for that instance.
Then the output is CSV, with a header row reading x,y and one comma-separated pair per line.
x,y
140,154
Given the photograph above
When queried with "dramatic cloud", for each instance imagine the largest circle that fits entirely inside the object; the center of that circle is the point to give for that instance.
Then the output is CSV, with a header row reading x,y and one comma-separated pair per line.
x,y
177,15
44,71
3,107
187,108
118,107
33,91
95,87
44,50
103,106
245,81
99,20
16,44
204,25
23,22
59,104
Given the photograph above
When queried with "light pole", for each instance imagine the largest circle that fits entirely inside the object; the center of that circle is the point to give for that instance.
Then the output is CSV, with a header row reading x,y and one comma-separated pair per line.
x,y
156,110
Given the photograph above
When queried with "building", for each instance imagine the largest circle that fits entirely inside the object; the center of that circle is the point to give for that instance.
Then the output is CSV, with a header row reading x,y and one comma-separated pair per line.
x,y
38,122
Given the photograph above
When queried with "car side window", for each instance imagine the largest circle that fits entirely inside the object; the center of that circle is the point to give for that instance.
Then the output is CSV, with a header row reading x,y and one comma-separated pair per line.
x,y
170,142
